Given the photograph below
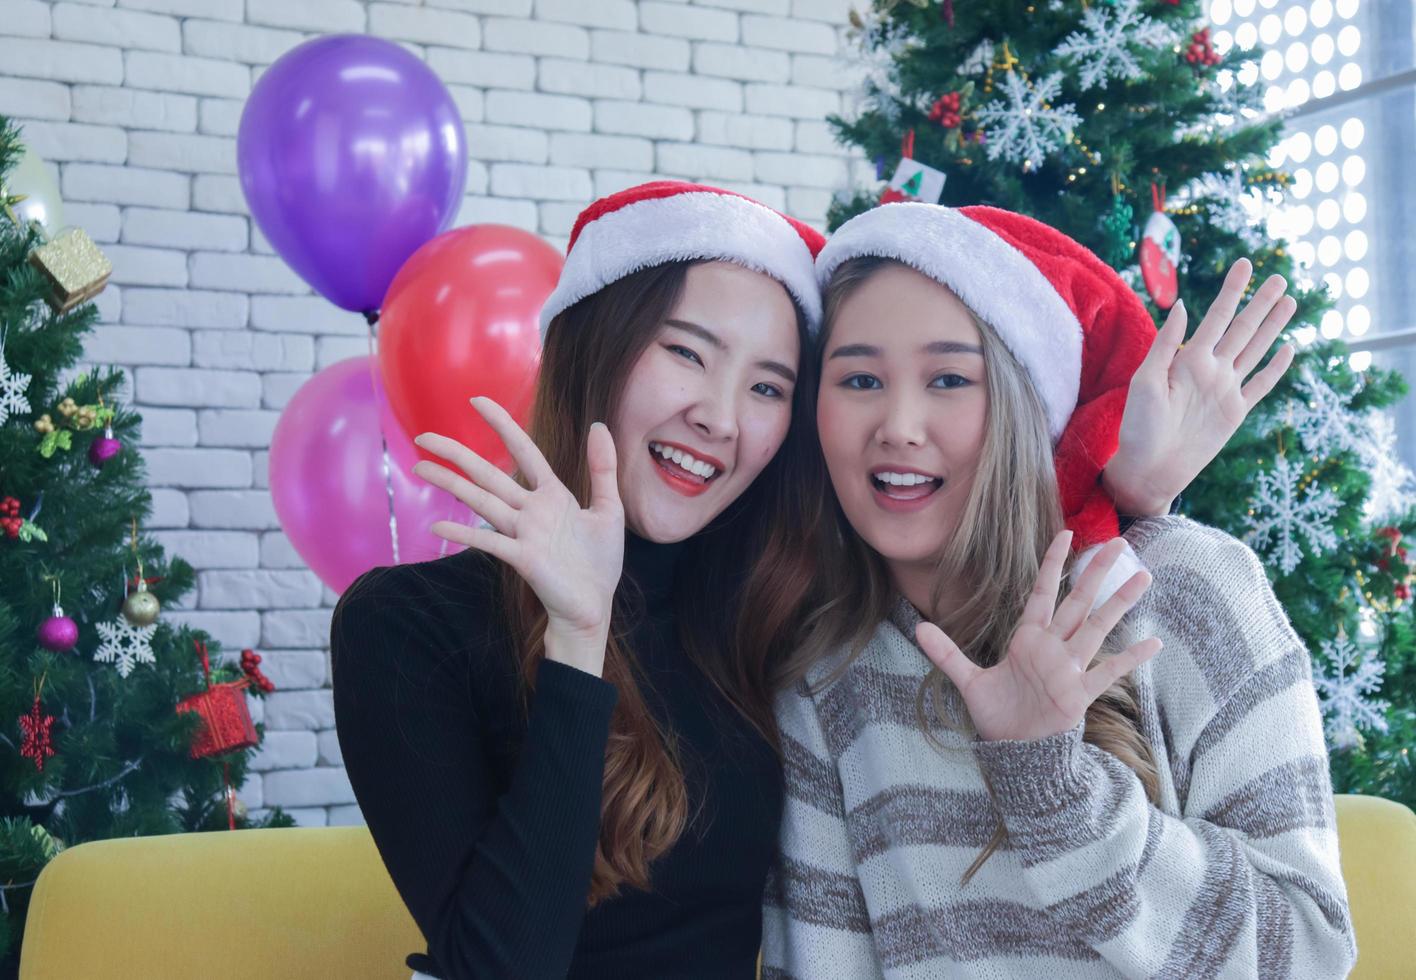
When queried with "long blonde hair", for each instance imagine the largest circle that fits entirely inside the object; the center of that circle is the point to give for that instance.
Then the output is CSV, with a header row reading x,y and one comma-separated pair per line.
x,y
1010,517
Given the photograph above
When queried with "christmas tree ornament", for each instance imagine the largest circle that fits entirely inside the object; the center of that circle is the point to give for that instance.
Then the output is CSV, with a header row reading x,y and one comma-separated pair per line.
x,y
10,518
226,724
1346,688
1160,253
67,408
17,527
49,844
58,633
104,448
1201,53
125,645
86,417
1286,507
1024,126
141,607
945,110
1116,224
913,181
12,389
35,741
251,667
1106,47
74,267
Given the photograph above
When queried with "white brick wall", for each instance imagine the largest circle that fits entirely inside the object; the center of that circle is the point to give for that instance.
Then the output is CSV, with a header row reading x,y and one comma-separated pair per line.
x,y
135,104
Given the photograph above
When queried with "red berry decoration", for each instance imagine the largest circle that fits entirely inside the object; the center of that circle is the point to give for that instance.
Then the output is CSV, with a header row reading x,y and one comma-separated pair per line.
x,y
1201,53
1402,591
10,518
250,666
945,110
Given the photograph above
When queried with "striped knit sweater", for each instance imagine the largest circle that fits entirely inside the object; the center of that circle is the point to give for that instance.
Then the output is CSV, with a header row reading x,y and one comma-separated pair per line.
x,y
1234,874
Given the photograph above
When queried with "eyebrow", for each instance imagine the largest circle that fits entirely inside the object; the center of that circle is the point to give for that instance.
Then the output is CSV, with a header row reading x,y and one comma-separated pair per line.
x,y
936,347
709,337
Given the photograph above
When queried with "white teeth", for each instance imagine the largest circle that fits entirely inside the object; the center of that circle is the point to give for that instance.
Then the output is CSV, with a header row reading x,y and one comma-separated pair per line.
x,y
903,479
684,460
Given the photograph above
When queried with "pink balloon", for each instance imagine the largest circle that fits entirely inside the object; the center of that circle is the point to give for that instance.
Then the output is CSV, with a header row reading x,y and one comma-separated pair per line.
x,y
327,479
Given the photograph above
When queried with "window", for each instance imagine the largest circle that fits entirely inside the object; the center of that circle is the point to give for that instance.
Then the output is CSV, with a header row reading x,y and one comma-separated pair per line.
x,y
1343,74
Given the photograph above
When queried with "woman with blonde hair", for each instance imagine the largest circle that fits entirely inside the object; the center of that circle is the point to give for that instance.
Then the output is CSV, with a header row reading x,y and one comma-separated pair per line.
x,y
983,781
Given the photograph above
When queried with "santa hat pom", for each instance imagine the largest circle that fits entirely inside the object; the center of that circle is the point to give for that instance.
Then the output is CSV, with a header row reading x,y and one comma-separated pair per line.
x,y
670,220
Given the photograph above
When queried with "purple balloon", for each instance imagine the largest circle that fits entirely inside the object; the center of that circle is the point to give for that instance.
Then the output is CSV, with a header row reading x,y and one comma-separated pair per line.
x,y
351,155
327,479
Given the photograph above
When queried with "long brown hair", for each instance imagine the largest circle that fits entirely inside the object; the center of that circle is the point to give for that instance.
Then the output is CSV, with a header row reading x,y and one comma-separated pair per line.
x,y
754,559
998,558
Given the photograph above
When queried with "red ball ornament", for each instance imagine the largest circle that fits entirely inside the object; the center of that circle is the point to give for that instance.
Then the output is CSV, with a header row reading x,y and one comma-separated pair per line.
x,y
58,633
104,448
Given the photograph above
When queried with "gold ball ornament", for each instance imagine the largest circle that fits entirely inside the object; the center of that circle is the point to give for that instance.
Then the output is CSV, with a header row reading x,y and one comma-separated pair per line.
x,y
141,608
44,424
68,407
85,417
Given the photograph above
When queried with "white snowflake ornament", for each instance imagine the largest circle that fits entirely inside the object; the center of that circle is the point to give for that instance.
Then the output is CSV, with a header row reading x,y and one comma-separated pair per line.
x,y
1324,423
12,391
1393,484
125,644
1105,47
1024,127
1279,516
1345,692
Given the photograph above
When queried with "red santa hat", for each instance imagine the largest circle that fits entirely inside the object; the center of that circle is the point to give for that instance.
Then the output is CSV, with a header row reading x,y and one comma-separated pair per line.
x,y
1072,323
669,221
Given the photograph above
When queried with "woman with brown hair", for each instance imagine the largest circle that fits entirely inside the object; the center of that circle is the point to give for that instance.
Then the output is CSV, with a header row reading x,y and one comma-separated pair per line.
x,y
529,725
983,781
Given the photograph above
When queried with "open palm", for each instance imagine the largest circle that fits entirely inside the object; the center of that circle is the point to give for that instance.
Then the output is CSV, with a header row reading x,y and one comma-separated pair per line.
x,y
571,556
1185,403
1046,679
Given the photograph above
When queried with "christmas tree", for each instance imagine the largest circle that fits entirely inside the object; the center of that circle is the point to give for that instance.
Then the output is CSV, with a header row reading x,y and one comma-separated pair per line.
x,y
1119,123
100,739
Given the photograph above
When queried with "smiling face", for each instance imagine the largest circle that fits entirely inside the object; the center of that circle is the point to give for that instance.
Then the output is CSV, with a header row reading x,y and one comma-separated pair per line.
x,y
903,412
708,402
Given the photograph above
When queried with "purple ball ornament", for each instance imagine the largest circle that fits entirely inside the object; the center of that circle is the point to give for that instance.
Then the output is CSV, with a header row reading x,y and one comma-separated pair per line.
x,y
58,633
104,448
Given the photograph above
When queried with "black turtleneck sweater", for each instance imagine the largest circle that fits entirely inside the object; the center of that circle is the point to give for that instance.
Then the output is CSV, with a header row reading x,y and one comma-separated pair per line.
x,y
487,814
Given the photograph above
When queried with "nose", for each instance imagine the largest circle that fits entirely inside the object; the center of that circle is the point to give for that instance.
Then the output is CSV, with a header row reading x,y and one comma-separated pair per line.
x,y
713,414
903,423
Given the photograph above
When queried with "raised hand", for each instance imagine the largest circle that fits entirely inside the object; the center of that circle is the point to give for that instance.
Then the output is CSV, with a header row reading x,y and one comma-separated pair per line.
x,y
1185,403
1046,679
571,556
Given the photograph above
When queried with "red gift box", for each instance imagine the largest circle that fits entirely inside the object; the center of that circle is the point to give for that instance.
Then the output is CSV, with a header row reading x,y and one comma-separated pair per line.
x,y
226,720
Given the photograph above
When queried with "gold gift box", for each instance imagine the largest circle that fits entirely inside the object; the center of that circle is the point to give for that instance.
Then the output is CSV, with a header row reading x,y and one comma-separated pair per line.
x,y
75,267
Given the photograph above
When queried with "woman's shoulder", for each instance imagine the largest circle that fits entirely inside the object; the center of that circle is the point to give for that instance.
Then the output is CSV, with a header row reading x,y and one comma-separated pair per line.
x,y
449,608
1173,538
1211,601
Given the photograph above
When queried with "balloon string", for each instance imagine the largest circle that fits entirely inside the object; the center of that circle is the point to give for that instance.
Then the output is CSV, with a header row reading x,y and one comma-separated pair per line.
x,y
371,318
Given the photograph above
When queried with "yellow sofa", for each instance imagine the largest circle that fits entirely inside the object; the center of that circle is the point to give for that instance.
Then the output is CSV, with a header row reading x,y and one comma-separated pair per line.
x,y
316,903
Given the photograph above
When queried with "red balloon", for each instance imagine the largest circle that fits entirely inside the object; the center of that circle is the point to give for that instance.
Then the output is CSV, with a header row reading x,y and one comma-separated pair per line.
x,y
461,319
